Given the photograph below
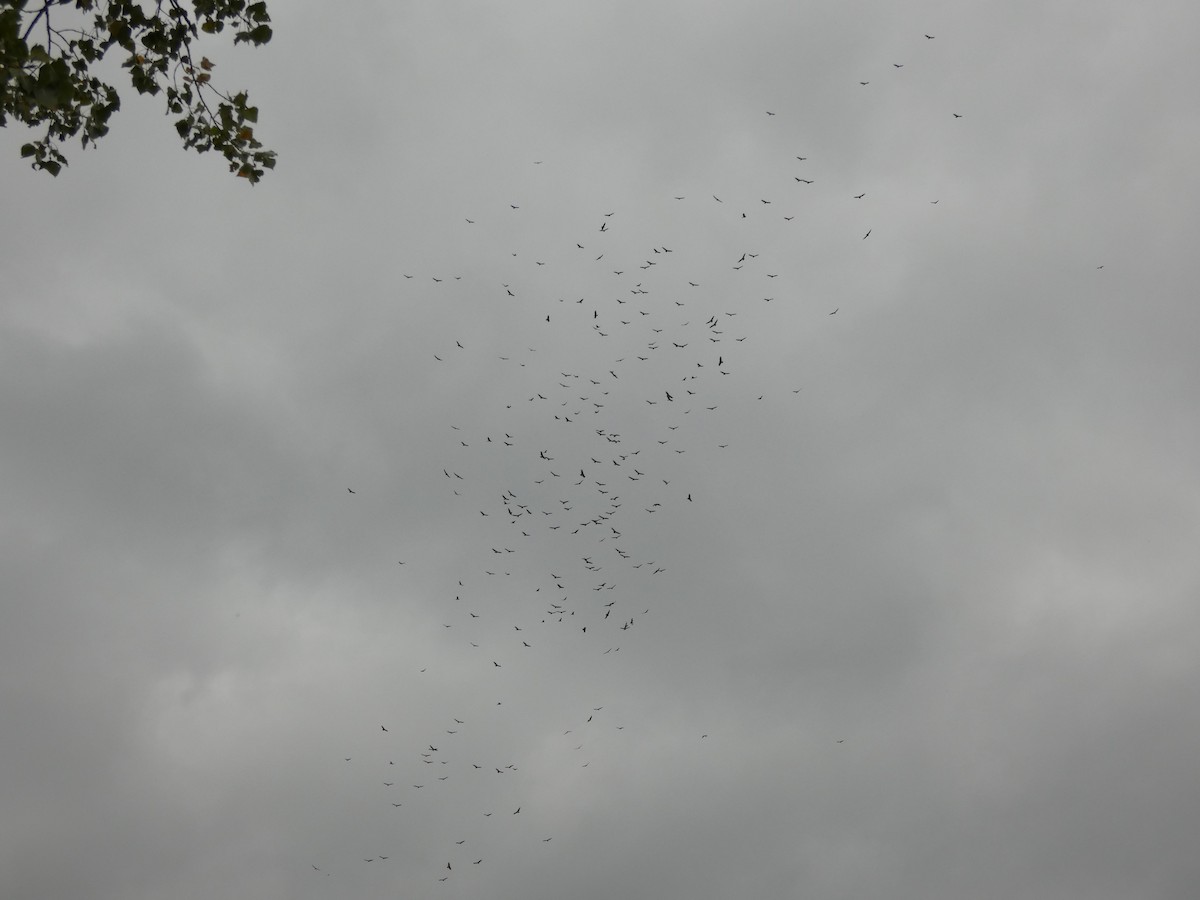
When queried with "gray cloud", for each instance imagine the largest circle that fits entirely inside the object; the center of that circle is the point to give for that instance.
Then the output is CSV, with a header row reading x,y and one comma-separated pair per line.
x,y
925,627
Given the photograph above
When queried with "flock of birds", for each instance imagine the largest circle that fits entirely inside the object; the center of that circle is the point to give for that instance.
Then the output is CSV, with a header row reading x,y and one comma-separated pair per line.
x,y
602,443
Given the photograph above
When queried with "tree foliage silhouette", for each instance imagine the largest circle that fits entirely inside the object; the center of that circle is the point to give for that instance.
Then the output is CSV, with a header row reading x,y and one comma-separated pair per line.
x,y
52,50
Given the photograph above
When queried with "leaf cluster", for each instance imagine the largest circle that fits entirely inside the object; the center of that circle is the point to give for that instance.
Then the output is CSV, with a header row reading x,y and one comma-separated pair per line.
x,y
48,72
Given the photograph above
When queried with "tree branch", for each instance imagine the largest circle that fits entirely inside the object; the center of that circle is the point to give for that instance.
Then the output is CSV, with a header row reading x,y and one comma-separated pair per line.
x,y
44,11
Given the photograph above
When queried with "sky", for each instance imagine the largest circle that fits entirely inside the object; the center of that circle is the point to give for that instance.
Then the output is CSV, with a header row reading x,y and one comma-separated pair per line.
x,y
625,449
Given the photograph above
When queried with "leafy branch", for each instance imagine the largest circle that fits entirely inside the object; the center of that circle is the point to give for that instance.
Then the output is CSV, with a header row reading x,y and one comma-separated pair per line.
x,y
51,82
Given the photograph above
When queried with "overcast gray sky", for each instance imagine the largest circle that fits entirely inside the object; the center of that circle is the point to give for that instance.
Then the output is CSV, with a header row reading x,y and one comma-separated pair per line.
x,y
751,537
